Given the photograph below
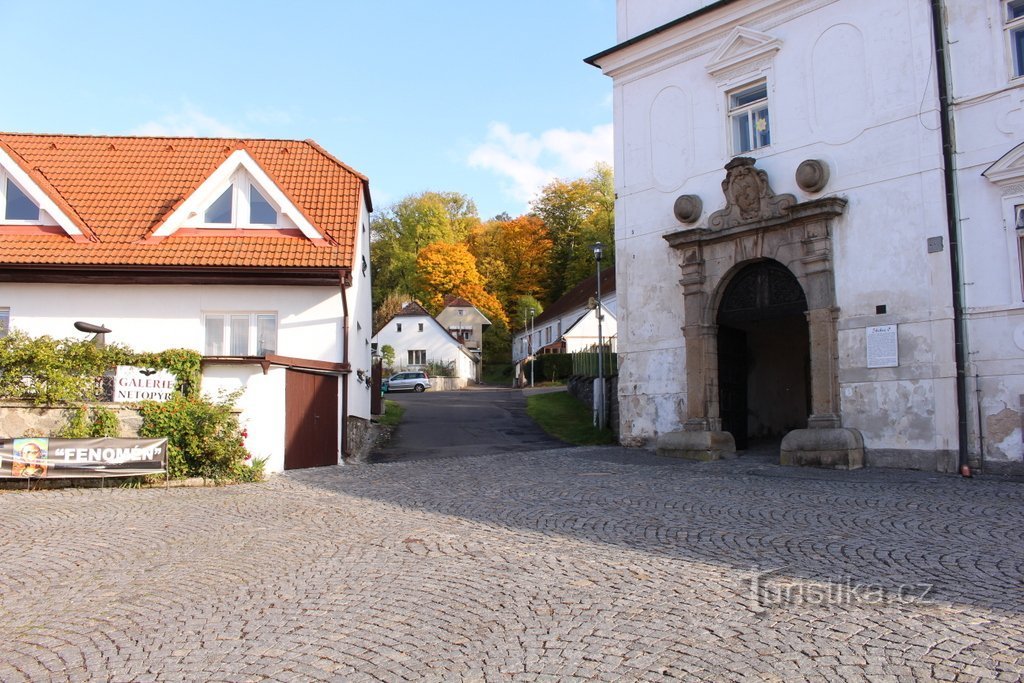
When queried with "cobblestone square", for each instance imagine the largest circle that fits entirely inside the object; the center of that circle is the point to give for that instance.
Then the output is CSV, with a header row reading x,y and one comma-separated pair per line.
x,y
568,564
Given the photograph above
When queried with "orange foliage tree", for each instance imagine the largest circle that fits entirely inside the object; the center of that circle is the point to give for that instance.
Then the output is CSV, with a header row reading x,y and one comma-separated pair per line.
x,y
444,269
513,256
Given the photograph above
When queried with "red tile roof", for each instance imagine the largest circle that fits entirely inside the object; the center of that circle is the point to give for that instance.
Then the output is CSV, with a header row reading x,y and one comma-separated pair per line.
x,y
117,190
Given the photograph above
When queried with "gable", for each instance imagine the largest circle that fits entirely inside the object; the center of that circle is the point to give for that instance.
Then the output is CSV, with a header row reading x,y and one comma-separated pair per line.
x,y
1009,169
742,45
239,195
19,188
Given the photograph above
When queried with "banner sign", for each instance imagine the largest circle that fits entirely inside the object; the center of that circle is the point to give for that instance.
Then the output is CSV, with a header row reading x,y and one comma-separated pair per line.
x,y
142,384
42,458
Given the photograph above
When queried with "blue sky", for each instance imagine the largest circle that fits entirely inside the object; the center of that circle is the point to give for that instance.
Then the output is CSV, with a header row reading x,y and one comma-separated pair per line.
x,y
487,98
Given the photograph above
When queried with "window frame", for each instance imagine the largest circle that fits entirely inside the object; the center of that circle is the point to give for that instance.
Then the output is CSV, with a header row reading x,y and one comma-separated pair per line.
x,y
241,186
5,321
419,353
254,348
748,110
1014,28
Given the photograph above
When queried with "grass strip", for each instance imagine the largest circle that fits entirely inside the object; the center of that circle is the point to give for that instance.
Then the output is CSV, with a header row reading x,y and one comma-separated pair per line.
x,y
565,417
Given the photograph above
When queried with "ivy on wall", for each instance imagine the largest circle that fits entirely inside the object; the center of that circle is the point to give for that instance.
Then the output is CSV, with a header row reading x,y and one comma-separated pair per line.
x,y
50,371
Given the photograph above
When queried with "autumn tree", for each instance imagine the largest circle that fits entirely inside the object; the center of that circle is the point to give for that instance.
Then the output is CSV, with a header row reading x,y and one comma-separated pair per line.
x,y
512,256
577,213
402,230
449,269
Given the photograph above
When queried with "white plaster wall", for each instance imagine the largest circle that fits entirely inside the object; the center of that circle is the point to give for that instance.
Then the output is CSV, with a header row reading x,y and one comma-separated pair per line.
x,y
158,317
852,84
584,334
439,345
360,310
989,114
262,404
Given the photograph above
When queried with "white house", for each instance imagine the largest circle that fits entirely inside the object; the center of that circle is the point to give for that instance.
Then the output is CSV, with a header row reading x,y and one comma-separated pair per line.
x,y
419,340
570,323
818,229
253,252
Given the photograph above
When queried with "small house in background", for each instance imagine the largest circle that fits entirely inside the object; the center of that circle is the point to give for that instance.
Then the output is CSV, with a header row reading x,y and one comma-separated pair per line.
x,y
569,325
422,342
465,322
252,252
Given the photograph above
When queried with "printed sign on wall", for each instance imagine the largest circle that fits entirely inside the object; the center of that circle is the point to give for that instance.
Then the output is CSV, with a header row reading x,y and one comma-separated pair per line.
x,y
142,384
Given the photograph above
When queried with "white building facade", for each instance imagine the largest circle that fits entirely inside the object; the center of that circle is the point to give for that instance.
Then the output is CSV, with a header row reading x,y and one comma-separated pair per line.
x,y
419,340
798,256
278,302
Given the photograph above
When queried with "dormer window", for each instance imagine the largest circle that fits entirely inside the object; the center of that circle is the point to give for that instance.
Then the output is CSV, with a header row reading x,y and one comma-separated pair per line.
x,y
241,205
15,203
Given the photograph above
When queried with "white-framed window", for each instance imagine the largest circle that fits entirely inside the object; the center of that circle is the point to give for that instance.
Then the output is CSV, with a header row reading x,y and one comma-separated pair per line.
x,y
240,333
15,204
420,326
417,356
1014,18
749,126
398,327
241,205
5,321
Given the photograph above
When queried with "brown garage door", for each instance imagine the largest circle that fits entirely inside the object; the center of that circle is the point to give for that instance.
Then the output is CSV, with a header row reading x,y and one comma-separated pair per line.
x,y
311,420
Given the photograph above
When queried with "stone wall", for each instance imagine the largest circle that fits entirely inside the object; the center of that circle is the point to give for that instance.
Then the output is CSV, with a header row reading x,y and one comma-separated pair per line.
x,y
583,389
22,418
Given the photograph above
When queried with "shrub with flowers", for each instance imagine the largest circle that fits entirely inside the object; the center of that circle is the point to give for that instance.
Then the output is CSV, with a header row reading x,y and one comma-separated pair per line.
x,y
204,438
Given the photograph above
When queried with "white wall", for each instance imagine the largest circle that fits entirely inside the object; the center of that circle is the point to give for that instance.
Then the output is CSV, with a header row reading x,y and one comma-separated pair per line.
x,y
360,309
851,84
438,344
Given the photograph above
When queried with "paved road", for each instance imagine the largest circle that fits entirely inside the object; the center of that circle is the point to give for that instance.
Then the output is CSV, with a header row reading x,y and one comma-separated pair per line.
x,y
441,424
569,564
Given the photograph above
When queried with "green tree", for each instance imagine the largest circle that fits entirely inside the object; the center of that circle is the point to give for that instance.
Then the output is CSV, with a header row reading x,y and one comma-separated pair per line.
x,y
400,231
577,214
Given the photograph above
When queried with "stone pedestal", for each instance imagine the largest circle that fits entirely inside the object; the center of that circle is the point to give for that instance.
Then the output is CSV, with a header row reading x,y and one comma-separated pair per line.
x,y
831,448
697,445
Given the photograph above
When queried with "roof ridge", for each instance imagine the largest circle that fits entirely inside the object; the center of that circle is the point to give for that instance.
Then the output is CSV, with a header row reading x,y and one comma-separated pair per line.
x,y
111,136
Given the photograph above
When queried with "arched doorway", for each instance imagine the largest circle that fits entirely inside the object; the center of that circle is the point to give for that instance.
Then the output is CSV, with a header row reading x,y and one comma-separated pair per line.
x,y
763,354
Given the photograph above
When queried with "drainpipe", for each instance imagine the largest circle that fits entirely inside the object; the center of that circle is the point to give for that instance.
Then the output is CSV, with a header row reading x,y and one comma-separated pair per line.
x,y
953,219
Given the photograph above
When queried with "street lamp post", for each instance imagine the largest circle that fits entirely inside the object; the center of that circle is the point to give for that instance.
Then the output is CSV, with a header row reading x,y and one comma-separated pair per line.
x,y
599,398
533,359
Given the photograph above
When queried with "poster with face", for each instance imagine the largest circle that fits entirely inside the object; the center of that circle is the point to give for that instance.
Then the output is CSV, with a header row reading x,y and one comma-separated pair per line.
x,y
30,457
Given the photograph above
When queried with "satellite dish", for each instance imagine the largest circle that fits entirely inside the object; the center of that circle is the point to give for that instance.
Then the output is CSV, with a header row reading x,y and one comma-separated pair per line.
x,y
89,327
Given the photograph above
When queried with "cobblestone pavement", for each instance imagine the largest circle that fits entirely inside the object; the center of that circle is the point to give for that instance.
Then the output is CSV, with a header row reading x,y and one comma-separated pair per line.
x,y
569,564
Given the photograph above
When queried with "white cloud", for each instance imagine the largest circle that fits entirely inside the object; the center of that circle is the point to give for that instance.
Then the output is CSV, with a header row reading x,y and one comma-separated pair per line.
x,y
529,162
188,121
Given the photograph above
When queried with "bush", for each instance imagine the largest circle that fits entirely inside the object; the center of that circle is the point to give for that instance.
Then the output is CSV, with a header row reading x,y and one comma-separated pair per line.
x,y
553,367
84,422
204,438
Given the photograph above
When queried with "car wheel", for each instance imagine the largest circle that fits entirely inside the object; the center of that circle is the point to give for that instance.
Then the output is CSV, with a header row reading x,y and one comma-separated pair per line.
x,y
419,388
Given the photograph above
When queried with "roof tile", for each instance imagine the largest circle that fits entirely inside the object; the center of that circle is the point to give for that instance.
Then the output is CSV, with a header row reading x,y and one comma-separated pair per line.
x,y
120,188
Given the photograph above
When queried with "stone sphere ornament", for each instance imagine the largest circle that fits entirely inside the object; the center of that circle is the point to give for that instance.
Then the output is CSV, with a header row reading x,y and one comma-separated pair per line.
x,y
812,175
688,208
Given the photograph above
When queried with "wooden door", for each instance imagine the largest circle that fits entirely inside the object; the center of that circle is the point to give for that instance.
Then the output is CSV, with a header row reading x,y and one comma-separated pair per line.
x,y
311,420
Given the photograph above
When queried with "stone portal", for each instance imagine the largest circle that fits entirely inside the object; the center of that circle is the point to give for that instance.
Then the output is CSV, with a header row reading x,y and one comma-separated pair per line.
x,y
758,226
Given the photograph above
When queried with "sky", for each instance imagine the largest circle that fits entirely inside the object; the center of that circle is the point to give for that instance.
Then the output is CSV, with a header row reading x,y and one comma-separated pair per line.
x,y
489,98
